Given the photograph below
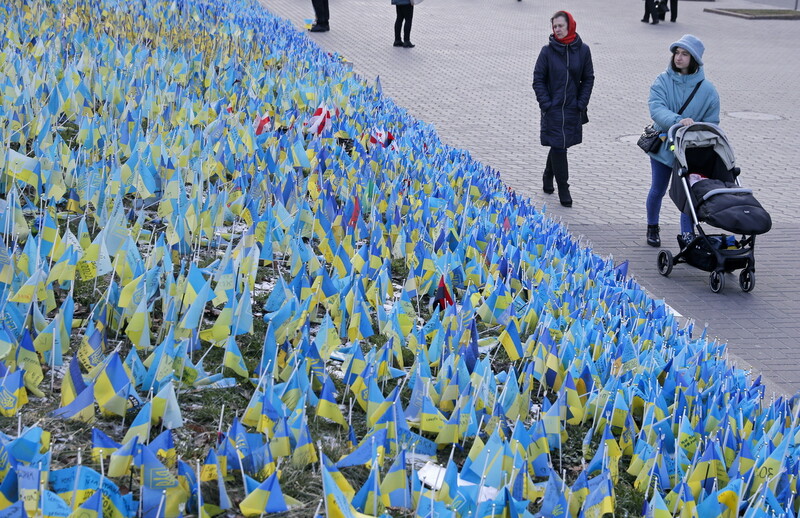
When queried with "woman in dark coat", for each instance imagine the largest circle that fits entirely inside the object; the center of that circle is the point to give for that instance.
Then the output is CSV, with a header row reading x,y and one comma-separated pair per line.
x,y
562,80
405,16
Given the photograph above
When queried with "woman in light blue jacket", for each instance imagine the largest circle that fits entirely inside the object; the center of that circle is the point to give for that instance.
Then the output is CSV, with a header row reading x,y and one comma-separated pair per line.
x,y
667,94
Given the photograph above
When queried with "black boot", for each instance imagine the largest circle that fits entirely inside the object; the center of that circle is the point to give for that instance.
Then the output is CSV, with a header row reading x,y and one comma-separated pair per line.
x,y
547,177
653,237
558,162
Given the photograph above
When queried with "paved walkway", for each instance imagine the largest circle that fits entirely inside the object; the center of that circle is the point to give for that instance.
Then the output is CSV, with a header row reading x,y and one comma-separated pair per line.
x,y
470,76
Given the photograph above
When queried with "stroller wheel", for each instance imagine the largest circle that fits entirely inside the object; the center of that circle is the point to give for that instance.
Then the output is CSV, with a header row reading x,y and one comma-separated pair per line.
x,y
717,281
747,280
664,262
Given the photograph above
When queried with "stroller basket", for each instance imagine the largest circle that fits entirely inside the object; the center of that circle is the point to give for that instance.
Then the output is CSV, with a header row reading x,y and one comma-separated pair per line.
x,y
706,253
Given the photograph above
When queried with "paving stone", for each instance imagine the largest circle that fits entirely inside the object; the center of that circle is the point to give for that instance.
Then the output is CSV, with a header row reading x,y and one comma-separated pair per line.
x,y
470,76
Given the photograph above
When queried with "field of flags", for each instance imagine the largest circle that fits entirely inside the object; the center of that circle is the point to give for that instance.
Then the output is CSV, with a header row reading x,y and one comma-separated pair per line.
x,y
180,180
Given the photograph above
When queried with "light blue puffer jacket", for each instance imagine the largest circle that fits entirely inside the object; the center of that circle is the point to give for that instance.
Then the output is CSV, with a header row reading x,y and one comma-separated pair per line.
x,y
668,93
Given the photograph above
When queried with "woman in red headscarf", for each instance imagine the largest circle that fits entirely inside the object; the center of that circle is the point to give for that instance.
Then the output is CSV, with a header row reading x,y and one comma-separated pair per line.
x,y
562,80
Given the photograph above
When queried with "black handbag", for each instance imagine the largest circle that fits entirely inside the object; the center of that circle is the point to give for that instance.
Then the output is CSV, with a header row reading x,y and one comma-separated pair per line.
x,y
661,9
650,141
651,138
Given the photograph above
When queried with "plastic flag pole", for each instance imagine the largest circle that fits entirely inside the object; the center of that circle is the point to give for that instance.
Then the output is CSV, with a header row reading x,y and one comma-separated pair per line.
x,y
678,500
677,445
219,426
53,355
161,502
77,478
322,467
483,471
241,468
42,487
652,470
199,491
350,413
377,479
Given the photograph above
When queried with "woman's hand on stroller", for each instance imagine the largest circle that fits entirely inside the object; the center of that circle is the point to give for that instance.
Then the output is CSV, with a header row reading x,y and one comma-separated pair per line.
x,y
686,122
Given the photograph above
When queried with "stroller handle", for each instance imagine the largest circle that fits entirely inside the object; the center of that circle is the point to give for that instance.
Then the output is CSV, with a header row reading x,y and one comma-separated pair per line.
x,y
671,131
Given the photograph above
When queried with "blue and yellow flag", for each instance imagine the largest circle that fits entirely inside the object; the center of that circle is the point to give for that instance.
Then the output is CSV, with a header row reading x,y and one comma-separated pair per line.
x,y
13,395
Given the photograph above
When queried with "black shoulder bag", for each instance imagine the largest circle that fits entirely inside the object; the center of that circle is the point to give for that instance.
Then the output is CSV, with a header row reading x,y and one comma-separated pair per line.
x,y
651,140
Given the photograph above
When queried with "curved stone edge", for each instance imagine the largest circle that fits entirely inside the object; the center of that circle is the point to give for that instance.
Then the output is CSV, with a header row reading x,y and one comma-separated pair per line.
x,y
791,15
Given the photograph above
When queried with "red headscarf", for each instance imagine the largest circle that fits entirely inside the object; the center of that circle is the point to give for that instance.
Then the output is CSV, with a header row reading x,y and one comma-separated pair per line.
x,y
571,34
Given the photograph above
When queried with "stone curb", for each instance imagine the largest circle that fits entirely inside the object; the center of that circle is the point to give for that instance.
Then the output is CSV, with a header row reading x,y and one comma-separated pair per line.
x,y
791,14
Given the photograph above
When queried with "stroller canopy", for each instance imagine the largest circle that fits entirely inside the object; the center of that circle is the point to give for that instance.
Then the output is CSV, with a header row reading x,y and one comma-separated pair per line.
x,y
704,136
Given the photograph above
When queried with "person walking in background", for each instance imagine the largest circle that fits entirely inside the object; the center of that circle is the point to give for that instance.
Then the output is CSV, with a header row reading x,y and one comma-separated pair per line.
x,y
405,15
673,10
668,94
650,12
321,13
562,80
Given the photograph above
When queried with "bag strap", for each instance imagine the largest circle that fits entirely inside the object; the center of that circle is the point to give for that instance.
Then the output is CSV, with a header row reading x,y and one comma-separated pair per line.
x,y
691,96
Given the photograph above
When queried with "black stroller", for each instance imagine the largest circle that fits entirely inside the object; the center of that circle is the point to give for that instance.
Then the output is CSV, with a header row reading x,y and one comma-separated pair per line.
x,y
705,186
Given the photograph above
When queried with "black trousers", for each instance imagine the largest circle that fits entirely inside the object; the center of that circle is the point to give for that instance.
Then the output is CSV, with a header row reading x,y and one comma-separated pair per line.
x,y
673,10
321,12
650,11
405,13
557,167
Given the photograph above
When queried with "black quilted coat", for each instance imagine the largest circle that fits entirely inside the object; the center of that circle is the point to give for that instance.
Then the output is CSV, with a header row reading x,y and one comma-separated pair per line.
x,y
562,80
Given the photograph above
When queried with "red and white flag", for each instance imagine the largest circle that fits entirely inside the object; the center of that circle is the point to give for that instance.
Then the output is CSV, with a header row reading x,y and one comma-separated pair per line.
x,y
262,124
320,120
382,137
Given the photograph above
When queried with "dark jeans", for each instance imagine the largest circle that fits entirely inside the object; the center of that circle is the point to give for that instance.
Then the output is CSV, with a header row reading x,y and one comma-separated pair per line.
x,y
404,13
321,12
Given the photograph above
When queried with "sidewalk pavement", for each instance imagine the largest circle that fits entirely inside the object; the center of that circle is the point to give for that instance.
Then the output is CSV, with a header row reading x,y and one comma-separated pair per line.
x,y
470,76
